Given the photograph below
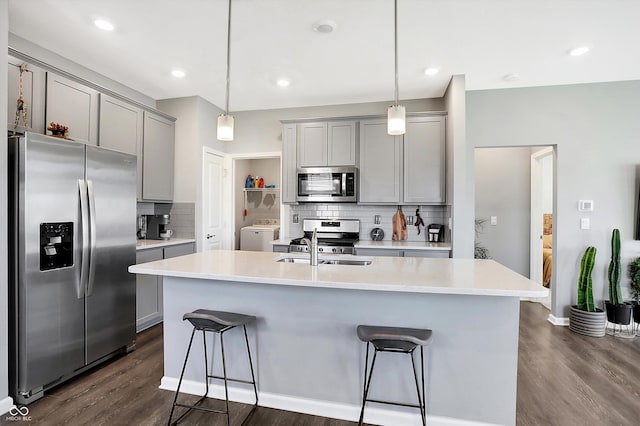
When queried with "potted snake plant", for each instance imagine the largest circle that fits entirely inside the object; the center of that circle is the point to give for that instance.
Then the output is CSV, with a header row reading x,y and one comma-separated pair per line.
x,y
634,275
618,312
585,318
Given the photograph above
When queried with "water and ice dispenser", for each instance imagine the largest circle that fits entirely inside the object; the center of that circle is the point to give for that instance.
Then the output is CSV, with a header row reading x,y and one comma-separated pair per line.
x,y
56,245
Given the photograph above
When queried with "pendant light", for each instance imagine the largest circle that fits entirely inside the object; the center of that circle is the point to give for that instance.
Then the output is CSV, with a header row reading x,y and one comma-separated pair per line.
x,y
396,113
225,121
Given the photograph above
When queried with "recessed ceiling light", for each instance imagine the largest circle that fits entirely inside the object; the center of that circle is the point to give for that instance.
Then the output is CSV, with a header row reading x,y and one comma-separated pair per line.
x,y
431,71
104,25
283,82
324,26
578,51
511,77
178,73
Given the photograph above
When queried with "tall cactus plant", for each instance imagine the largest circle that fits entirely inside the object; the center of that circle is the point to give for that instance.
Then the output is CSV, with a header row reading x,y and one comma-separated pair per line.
x,y
585,284
615,292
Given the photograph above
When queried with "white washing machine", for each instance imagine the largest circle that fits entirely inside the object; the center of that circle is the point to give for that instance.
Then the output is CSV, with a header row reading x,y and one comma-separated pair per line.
x,y
258,237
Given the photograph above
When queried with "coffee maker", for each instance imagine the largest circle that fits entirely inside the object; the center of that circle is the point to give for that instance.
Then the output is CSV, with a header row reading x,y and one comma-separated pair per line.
x,y
435,233
157,226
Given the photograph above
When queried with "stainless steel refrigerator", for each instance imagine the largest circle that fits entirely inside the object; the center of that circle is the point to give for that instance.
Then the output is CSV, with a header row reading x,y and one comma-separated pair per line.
x,y
72,232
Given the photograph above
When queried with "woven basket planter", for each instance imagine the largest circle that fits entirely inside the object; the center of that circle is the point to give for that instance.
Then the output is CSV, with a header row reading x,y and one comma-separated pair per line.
x,y
591,324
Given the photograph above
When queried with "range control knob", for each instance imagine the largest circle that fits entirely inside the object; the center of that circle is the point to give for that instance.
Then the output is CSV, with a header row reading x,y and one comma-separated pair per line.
x,y
320,249
335,250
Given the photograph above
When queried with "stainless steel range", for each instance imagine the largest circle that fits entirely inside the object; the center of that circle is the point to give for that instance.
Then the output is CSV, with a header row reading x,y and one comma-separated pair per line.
x,y
334,235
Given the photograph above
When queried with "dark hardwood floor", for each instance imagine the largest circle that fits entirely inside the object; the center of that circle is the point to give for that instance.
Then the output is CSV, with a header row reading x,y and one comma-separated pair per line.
x,y
563,379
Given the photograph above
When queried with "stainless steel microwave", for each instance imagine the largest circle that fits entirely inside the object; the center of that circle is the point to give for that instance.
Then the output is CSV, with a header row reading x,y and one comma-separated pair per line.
x,y
328,185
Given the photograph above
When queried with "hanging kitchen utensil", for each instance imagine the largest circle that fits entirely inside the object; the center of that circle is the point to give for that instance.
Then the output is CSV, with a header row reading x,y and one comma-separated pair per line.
x,y
419,220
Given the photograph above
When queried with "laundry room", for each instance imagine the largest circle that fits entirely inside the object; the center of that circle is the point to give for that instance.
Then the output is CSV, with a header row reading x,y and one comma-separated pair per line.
x,y
257,203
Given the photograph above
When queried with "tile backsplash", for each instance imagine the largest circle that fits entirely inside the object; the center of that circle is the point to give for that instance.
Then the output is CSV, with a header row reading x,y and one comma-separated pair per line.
x,y
366,214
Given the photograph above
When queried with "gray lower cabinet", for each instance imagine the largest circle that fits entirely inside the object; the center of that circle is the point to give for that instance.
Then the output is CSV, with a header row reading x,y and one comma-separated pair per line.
x,y
73,105
289,190
281,248
121,129
402,253
157,158
33,88
149,287
380,163
148,292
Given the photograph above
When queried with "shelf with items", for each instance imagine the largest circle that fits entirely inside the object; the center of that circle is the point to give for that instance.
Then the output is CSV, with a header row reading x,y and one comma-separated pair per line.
x,y
268,192
261,189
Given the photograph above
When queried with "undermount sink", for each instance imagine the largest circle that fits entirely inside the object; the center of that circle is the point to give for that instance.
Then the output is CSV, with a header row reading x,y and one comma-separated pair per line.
x,y
305,260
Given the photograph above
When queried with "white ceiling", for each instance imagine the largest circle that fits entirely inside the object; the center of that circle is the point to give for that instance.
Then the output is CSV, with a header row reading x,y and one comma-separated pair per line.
x,y
271,39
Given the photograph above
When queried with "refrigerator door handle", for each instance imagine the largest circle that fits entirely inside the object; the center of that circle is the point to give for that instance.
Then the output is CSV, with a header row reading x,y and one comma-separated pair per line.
x,y
92,237
84,225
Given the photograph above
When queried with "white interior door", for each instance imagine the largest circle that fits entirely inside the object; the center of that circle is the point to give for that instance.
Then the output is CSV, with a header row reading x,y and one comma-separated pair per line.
x,y
535,267
212,217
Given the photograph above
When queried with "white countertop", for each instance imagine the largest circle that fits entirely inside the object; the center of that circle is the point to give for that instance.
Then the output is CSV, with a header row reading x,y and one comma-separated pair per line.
x,y
398,274
393,245
149,244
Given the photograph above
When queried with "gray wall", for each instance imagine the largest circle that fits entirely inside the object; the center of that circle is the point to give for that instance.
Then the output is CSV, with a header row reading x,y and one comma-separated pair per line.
x,y
595,128
459,169
503,188
4,318
55,60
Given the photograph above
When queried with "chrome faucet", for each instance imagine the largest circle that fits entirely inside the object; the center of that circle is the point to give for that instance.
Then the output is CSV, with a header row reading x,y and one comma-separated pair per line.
x,y
313,247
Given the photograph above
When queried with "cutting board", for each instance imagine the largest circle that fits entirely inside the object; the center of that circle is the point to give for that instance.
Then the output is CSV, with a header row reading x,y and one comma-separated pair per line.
x,y
399,226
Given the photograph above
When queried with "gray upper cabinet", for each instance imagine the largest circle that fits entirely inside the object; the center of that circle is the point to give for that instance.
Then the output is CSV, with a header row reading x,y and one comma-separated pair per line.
x,y
33,87
380,163
342,143
424,160
121,129
332,143
289,188
312,144
74,105
157,158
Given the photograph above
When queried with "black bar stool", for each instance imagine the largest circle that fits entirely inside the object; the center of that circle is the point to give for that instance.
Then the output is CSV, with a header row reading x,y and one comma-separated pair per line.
x,y
400,340
215,322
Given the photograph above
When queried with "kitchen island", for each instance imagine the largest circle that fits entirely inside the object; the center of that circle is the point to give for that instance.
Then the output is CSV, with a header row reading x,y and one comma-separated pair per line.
x,y
306,353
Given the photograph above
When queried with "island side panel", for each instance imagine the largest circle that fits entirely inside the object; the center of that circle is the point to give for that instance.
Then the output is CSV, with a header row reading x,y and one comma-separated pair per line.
x,y
305,346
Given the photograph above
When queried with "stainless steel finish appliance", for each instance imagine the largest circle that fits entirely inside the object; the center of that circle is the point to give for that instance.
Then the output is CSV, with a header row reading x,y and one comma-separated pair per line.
x,y
334,236
435,233
72,234
157,226
328,185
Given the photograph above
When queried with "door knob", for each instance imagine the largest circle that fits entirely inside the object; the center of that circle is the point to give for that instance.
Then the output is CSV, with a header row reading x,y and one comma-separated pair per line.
x,y
209,236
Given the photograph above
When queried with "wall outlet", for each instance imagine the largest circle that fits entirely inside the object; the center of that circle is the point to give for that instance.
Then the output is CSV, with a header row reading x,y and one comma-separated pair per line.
x,y
409,220
296,218
494,220
376,219
585,223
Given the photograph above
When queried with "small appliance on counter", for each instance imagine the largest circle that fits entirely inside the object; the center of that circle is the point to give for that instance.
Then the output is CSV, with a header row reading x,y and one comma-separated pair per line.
x,y
435,233
157,227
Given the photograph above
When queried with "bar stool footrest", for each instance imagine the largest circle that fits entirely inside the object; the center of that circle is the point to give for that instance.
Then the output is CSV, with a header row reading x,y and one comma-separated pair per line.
x,y
249,382
403,404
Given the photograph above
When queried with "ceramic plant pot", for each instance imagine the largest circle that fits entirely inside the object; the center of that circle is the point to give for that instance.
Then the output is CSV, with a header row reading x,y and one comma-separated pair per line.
x,y
587,323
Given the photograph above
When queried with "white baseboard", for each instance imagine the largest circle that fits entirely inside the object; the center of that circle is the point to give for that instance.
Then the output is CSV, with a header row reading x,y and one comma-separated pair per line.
x,y
5,405
335,410
562,321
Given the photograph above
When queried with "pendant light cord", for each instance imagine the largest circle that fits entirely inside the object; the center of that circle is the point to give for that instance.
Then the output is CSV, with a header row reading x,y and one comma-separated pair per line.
x,y
226,109
395,39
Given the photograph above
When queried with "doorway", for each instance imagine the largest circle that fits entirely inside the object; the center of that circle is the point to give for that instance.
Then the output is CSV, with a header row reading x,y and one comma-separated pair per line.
x,y
513,193
212,233
251,206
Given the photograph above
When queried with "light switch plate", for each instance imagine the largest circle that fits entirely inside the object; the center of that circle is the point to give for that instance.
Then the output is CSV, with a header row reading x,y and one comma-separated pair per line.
x,y
494,220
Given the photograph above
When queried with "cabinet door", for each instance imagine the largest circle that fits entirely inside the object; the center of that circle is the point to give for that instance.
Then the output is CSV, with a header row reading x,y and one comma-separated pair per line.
x,y
157,158
424,160
342,143
378,252
179,250
148,292
380,163
312,144
74,105
33,82
121,129
427,253
289,164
